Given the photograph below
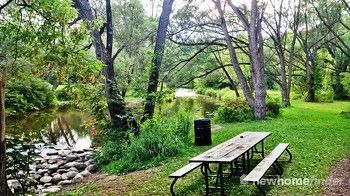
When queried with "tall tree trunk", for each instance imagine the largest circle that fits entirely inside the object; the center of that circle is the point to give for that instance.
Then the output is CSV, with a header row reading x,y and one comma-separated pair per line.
x,y
233,57
116,105
257,61
4,188
157,59
310,74
257,103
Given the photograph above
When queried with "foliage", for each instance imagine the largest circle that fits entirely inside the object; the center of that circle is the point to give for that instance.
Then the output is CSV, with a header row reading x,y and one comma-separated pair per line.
x,y
325,96
273,108
160,138
236,111
345,114
305,126
29,94
346,82
64,94
19,155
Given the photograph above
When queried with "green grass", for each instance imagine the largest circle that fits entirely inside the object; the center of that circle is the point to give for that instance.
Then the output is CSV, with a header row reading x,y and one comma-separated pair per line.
x,y
318,135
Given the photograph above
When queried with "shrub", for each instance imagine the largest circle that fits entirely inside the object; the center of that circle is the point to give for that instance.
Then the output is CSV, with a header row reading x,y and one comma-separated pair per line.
x,y
345,114
29,94
63,93
273,109
325,96
159,138
236,111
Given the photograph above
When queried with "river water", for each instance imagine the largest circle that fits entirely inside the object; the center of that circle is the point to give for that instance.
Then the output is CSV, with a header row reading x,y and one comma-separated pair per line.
x,y
63,126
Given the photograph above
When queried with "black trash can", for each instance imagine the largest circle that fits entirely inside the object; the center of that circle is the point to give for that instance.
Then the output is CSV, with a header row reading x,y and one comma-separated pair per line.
x,y
202,132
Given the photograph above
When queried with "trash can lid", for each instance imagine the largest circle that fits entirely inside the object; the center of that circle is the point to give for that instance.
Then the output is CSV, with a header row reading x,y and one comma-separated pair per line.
x,y
202,120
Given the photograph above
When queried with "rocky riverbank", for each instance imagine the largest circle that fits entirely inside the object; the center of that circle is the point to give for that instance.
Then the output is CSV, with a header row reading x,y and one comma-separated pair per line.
x,y
55,167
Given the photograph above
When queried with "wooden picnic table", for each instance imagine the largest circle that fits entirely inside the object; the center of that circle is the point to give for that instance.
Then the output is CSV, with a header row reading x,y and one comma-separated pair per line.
x,y
229,151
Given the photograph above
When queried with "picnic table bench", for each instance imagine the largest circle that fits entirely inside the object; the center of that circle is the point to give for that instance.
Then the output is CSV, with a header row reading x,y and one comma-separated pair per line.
x,y
241,146
271,160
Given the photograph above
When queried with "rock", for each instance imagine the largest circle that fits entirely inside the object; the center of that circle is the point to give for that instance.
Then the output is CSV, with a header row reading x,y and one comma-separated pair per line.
x,y
73,169
47,185
78,178
60,163
14,184
91,168
52,189
56,178
88,149
64,153
85,173
46,179
78,151
42,171
75,164
71,174
80,166
64,176
71,158
49,151
61,171
88,153
88,162
65,182
51,161
32,167
53,167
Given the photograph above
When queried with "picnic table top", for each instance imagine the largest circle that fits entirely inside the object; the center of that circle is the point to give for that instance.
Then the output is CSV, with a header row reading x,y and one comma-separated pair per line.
x,y
231,149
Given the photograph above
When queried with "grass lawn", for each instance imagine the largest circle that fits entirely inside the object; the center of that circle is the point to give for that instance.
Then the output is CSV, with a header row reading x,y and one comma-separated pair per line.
x,y
318,136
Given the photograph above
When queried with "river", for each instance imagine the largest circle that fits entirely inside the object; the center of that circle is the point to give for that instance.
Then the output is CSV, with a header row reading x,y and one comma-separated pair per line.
x,y
64,126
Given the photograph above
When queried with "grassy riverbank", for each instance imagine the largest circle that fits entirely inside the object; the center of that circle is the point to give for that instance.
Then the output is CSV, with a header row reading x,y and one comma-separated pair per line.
x,y
318,135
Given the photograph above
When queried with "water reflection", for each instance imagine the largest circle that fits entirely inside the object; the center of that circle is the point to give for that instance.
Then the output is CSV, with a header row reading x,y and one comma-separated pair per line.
x,y
61,127
200,106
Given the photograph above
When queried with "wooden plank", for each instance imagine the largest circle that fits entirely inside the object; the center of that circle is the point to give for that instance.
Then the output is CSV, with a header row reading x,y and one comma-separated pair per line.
x,y
259,171
231,149
185,170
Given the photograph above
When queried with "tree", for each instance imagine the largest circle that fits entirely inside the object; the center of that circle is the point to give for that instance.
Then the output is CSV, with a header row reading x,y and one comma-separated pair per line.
x,y
119,114
157,60
333,15
277,28
252,26
311,38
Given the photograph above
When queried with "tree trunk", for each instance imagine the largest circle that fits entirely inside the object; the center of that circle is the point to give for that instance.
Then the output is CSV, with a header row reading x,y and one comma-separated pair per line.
x,y
157,60
284,84
4,188
257,103
116,105
310,82
257,61
233,57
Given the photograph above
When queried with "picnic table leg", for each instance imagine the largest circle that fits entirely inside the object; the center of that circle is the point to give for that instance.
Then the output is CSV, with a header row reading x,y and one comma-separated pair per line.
x,y
243,163
172,187
262,149
248,162
221,179
206,178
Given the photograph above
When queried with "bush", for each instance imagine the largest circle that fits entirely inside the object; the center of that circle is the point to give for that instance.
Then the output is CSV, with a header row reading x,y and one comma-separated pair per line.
x,y
325,96
236,111
63,93
29,94
345,114
273,109
160,138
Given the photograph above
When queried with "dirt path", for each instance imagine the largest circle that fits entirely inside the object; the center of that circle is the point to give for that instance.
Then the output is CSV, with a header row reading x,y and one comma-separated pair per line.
x,y
112,184
339,180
